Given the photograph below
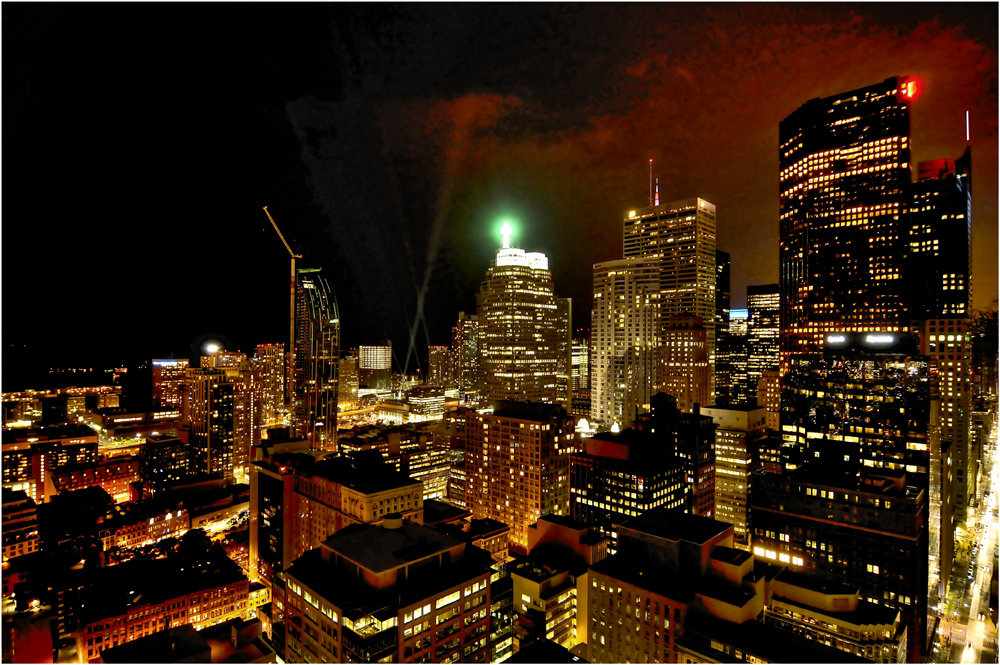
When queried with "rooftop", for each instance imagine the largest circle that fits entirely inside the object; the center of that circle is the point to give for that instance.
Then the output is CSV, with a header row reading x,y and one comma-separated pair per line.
x,y
438,512
533,411
53,433
378,548
673,524
174,645
634,571
730,555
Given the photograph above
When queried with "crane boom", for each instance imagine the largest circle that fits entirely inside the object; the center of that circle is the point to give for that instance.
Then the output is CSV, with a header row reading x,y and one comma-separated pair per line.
x,y
294,255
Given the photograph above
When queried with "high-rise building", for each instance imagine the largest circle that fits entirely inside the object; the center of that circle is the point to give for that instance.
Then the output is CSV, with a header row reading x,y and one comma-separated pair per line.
x,y
681,236
208,410
683,368
438,366
722,305
581,363
625,329
769,397
762,334
524,331
248,397
168,382
317,359
739,333
517,464
465,351
375,367
739,430
270,362
348,381
844,197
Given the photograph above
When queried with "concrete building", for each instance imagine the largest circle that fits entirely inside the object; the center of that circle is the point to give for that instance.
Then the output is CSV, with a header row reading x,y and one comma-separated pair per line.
x,y
683,367
168,382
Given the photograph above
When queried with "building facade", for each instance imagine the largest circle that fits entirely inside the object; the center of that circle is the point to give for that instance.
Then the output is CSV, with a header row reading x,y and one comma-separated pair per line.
x,y
317,359
762,334
683,368
168,382
270,363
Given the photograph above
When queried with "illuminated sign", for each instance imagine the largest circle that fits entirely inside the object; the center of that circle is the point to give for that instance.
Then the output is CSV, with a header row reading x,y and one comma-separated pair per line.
x,y
880,339
836,339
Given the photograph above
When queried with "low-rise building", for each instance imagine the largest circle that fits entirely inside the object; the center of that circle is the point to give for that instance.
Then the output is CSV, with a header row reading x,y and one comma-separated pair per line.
x,y
115,475
20,525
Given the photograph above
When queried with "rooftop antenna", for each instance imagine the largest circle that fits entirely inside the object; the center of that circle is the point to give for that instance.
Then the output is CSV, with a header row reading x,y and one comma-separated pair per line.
x,y
651,182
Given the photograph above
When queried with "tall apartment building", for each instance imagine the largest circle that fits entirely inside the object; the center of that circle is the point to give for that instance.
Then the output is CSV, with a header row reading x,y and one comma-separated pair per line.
x,y
683,367
163,460
375,367
400,592
844,196
739,356
168,382
738,433
722,306
625,330
317,359
270,363
517,464
465,351
248,397
439,370
681,236
524,331
762,334
208,410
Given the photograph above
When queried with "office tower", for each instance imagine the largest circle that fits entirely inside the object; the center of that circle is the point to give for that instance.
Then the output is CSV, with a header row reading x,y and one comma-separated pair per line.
x,y
681,235
762,334
844,197
317,359
465,351
564,351
438,366
722,304
581,363
400,593
739,346
168,382
524,331
208,402
625,326
683,368
517,464
940,239
769,397
348,380
618,475
270,362
867,529
738,434
375,367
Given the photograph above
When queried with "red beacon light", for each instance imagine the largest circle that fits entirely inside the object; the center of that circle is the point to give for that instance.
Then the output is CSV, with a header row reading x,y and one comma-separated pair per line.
x,y
910,88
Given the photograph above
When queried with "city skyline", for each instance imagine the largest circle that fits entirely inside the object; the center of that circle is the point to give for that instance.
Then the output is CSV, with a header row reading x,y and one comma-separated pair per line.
x,y
564,151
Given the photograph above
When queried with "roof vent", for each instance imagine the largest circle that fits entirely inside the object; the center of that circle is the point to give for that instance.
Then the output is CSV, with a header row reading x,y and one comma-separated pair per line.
x,y
393,521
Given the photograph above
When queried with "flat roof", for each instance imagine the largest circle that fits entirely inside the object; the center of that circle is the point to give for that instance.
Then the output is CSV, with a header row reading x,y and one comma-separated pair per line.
x,y
534,411
364,478
174,645
379,549
52,433
730,555
628,569
674,524
440,512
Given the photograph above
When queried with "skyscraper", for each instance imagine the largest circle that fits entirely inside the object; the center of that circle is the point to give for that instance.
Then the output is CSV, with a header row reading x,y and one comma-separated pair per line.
x,y
682,368
375,366
317,359
762,334
270,362
739,327
347,381
581,363
681,236
168,382
625,329
524,331
722,304
248,397
438,366
209,411
844,176
465,351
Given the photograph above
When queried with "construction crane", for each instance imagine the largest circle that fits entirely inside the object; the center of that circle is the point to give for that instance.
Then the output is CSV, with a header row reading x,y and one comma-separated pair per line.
x,y
290,376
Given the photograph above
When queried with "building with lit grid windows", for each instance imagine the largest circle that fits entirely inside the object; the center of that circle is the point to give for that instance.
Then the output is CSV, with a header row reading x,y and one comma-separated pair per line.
x,y
683,369
762,334
208,409
524,331
438,366
625,329
517,465
738,347
465,351
375,367
270,362
722,305
168,382
581,363
681,236
317,359
844,199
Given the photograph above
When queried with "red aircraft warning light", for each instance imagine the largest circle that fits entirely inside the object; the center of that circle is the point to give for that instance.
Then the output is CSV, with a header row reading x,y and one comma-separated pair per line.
x,y
910,88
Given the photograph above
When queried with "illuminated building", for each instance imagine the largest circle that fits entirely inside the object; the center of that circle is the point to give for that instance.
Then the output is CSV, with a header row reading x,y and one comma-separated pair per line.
x,y
581,363
517,465
739,429
738,347
625,328
844,198
29,454
138,524
163,460
622,475
248,396
375,367
270,362
769,397
414,453
681,235
400,593
20,525
438,366
683,367
722,305
317,359
940,239
140,598
168,382
349,379
208,403
867,529
762,335
465,351
114,474
524,331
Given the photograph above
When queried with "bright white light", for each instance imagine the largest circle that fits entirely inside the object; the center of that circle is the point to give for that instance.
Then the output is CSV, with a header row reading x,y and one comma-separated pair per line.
x,y
212,348
880,339
836,338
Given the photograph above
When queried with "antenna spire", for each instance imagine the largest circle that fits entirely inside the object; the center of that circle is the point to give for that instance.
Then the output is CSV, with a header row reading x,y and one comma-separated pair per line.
x,y
657,199
651,182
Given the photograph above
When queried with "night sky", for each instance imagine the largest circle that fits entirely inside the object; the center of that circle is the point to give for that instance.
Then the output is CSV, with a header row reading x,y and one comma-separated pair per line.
x,y
141,141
